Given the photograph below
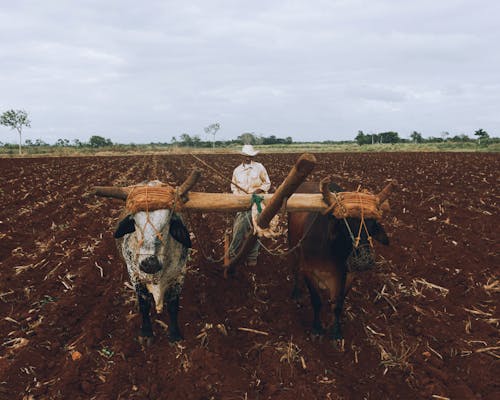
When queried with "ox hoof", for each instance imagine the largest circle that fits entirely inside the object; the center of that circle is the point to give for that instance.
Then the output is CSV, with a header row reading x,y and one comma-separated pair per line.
x,y
316,338
145,341
317,335
318,331
336,334
174,337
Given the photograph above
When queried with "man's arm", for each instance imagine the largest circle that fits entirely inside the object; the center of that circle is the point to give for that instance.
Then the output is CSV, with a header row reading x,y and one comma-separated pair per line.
x,y
266,182
234,189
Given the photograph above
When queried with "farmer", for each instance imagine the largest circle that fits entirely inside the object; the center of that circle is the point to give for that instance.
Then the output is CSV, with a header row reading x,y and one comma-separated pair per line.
x,y
249,177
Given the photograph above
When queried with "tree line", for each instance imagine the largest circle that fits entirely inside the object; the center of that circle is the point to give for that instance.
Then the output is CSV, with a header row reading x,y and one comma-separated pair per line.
x,y
19,119
416,137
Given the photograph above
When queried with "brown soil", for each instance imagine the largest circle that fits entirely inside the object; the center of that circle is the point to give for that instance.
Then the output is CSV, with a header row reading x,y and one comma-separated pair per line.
x,y
423,323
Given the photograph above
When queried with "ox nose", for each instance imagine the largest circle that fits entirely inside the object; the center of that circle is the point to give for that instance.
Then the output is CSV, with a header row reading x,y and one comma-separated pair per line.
x,y
150,265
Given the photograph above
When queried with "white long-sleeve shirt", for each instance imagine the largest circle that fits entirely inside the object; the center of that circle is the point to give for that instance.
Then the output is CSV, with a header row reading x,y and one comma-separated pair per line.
x,y
250,177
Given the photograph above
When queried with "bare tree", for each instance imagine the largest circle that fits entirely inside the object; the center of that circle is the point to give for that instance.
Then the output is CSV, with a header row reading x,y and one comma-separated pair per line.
x,y
212,129
16,119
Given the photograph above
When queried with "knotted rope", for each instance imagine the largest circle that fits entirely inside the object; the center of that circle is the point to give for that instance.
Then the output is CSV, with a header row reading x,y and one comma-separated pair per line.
x,y
151,198
355,204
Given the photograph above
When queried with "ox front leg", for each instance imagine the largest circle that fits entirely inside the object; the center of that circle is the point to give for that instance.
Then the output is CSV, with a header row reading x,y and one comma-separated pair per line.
x,y
144,298
336,332
174,333
317,327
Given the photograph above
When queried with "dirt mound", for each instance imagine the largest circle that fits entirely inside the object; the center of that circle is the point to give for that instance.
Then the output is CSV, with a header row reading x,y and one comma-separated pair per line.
x,y
423,323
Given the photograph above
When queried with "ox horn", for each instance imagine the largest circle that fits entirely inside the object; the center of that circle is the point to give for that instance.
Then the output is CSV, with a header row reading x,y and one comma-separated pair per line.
x,y
111,191
189,183
323,188
386,192
122,192
327,195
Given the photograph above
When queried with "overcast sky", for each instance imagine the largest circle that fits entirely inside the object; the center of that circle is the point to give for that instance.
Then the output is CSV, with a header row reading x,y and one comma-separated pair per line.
x,y
144,71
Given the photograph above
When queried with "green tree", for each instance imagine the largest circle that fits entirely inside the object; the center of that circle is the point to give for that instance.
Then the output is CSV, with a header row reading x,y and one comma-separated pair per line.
x,y
248,138
361,138
99,141
186,140
16,119
416,137
389,137
481,134
40,142
62,142
196,141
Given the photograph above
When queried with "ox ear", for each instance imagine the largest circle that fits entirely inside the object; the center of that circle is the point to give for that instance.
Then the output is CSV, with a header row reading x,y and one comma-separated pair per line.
x,y
125,226
179,232
378,233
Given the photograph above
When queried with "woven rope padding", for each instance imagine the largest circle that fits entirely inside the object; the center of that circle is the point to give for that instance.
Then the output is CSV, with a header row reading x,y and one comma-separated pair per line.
x,y
355,204
150,198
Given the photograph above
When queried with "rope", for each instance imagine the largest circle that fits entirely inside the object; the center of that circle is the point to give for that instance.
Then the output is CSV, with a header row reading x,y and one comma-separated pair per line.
x,y
158,233
292,249
219,174
344,213
144,197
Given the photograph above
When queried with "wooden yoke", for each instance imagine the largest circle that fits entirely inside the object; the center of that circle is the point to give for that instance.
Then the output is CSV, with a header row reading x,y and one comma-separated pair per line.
x,y
296,176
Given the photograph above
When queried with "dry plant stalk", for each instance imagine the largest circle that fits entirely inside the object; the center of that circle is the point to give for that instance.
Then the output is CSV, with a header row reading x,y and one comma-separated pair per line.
x,y
290,353
442,290
185,364
15,344
492,286
391,355
253,331
203,335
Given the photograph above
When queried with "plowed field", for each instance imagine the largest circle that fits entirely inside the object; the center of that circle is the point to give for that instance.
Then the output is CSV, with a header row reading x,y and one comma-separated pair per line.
x,y
423,323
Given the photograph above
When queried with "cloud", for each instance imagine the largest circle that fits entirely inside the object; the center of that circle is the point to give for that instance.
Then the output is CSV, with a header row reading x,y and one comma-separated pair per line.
x,y
322,69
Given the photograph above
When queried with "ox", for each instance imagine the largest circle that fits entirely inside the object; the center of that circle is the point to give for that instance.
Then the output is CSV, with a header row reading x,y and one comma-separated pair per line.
x,y
154,244
325,247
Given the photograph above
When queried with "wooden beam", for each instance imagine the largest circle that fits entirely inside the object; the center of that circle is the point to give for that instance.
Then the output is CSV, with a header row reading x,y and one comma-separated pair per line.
x,y
228,202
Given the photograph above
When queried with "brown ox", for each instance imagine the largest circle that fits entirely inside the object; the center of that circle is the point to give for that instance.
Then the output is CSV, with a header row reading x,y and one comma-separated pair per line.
x,y
326,247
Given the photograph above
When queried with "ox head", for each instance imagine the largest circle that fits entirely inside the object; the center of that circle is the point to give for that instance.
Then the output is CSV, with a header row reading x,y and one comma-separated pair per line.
x,y
147,236
146,232
353,236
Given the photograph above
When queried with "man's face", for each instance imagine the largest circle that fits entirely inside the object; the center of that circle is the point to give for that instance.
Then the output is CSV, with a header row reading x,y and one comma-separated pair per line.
x,y
247,159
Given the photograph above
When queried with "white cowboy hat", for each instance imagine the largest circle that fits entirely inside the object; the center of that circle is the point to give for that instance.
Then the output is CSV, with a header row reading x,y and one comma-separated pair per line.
x,y
248,150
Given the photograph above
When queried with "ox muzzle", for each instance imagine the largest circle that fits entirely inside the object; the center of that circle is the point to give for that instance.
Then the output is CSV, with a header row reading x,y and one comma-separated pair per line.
x,y
150,265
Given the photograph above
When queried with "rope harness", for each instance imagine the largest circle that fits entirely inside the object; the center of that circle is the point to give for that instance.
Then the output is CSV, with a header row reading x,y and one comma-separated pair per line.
x,y
151,198
361,257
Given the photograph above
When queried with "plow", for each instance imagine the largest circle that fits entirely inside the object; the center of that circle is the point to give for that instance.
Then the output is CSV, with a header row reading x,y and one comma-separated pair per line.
x,y
341,205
